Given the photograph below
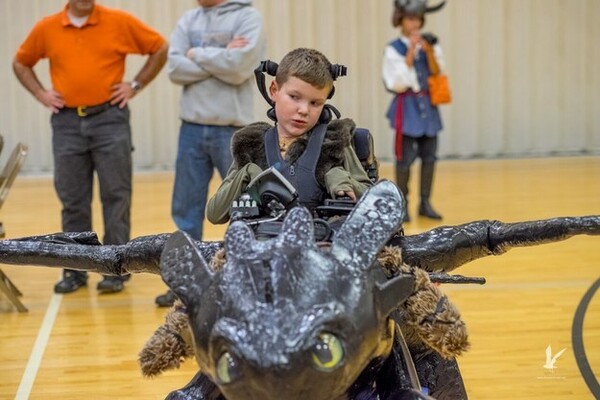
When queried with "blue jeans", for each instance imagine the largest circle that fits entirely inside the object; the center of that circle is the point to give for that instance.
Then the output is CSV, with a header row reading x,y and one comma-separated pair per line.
x,y
201,148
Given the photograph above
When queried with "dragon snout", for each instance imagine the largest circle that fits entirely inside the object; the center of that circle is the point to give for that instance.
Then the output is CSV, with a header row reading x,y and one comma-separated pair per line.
x,y
278,378
286,386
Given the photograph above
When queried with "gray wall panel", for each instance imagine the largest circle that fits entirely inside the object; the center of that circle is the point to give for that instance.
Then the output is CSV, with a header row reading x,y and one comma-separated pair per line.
x,y
524,73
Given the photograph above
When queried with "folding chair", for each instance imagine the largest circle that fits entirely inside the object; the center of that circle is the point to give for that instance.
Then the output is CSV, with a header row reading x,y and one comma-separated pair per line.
x,y
11,169
9,173
11,292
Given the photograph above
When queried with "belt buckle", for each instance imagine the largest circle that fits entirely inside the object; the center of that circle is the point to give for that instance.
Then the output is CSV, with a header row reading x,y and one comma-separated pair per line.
x,y
81,111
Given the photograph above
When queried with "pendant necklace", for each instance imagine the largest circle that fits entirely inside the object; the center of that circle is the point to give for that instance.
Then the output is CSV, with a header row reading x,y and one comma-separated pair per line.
x,y
283,146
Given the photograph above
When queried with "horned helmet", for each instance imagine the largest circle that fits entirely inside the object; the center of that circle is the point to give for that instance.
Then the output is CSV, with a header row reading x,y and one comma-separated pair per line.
x,y
417,8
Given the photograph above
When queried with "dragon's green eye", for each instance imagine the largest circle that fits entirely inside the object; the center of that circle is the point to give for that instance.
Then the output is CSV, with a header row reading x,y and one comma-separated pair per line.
x,y
227,368
328,353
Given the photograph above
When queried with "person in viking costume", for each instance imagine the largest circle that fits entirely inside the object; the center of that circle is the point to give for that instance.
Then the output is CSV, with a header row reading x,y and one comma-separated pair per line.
x,y
408,62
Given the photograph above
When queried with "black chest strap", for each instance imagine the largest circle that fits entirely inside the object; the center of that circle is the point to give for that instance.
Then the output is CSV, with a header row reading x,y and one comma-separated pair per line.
x,y
302,172
309,158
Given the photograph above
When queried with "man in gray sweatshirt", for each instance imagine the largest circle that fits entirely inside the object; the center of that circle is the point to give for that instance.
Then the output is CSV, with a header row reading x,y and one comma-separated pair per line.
x,y
213,53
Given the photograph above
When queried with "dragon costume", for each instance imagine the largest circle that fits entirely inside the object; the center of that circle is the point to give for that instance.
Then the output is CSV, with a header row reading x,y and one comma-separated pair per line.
x,y
357,318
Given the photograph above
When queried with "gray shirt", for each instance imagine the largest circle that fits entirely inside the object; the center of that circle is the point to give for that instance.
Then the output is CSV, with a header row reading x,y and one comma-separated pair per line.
x,y
218,83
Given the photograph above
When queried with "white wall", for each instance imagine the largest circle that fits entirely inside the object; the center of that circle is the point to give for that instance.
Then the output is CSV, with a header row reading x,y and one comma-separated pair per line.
x,y
525,74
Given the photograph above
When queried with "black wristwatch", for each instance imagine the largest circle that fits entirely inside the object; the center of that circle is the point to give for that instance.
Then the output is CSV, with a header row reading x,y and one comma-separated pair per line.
x,y
136,86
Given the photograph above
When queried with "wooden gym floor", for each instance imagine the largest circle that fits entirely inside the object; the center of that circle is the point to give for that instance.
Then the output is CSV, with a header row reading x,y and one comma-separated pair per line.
x,y
85,345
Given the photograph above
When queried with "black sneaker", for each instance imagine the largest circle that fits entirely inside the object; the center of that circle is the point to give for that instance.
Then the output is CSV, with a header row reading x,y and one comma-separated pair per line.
x,y
71,281
165,300
111,284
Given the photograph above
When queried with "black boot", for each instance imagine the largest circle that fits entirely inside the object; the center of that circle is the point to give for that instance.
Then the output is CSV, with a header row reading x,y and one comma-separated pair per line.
x,y
165,300
402,176
71,281
425,208
112,284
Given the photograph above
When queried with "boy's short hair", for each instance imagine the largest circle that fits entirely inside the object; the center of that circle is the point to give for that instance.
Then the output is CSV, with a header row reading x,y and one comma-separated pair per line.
x,y
309,65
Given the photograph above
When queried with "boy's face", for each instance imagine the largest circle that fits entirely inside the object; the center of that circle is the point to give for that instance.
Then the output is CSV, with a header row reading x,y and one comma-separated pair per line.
x,y
298,105
410,24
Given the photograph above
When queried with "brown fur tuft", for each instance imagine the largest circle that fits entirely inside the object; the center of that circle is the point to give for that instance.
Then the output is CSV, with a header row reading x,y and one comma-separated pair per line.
x,y
247,146
390,259
433,319
218,260
430,319
170,344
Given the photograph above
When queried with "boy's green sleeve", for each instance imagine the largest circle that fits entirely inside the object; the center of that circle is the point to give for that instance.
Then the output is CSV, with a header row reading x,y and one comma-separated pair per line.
x,y
350,177
232,187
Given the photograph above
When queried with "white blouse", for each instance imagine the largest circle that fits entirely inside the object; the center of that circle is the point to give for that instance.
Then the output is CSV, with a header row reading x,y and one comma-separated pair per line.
x,y
397,76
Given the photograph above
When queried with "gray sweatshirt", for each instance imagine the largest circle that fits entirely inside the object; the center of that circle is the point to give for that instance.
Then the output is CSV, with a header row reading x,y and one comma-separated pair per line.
x,y
218,83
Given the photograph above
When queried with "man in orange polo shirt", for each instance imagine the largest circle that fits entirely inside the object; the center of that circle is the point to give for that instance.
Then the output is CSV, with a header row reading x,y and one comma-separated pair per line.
x,y
86,45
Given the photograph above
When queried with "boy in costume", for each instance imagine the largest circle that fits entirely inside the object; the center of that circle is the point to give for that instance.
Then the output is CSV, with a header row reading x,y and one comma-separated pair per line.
x,y
315,155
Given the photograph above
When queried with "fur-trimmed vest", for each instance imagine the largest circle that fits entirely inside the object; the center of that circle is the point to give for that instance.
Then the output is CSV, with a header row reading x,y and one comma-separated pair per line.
x,y
248,146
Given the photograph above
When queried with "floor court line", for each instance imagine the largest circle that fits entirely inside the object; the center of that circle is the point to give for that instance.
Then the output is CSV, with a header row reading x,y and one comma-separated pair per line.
x,y
37,352
587,373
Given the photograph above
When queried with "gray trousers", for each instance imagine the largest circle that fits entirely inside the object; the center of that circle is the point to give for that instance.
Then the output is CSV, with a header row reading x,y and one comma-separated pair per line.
x,y
100,143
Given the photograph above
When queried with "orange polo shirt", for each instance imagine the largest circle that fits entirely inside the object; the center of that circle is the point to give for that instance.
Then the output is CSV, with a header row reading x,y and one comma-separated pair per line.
x,y
86,62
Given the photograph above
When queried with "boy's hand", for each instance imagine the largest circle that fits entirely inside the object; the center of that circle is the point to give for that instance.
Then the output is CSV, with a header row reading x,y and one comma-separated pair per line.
x,y
348,193
339,183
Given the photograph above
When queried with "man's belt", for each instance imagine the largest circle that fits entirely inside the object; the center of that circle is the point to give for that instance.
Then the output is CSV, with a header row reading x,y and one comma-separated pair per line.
x,y
86,111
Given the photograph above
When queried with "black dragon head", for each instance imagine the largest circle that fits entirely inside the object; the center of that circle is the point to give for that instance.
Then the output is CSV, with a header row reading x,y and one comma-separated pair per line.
x,y
285,313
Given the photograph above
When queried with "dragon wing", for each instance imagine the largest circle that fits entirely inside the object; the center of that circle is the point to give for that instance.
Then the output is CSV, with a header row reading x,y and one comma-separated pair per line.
x,y
446,248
